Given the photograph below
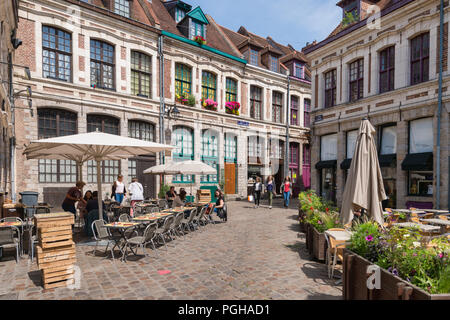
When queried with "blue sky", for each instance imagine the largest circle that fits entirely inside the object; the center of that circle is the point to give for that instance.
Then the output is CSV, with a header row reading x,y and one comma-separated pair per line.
x,y
286,21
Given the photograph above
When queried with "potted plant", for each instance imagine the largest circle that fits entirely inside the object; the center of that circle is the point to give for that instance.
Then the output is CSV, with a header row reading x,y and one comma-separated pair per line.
x,y
163,190
200,40
186,99
232,107
209,104
410,268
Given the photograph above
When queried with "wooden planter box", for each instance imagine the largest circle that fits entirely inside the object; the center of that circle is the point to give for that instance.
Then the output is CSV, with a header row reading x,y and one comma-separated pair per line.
x,y
301,215
308,237
319,244
392,287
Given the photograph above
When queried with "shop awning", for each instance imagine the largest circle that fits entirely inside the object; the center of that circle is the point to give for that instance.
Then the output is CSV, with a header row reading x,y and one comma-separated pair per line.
x,y
418,161
387,160
326,164
345,165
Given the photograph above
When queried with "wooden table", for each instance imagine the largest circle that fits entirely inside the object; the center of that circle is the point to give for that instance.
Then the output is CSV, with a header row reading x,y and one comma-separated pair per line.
x,y
408,211
436,211
339,235
422,227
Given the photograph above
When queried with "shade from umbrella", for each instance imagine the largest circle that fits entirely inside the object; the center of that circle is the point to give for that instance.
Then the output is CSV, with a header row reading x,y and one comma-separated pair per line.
x,y
364,187
96,146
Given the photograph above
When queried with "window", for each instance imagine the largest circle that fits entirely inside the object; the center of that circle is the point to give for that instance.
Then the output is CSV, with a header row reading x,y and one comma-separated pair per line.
x,y
253,57
328,147
352,136
306,154
210,154
56,54
294,111
56,123
299,71
196,29
141,130
356,80
132,169
277,107
276,149
420,58
256,111
141,68
293,163
307,115
420,183
421,135
102,65
388,143
122,7
183,139
274,63
330,88
209,85
110,169
230,148
255,149
179,14
231,90
387,69
183,79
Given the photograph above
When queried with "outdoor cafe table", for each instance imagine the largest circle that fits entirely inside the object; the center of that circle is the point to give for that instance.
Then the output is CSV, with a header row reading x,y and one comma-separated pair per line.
x,y
339,235
121,227
439,222
422,227
436,211
408,211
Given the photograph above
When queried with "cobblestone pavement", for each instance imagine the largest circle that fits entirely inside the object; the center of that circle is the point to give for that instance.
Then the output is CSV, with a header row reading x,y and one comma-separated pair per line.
x,y
257,254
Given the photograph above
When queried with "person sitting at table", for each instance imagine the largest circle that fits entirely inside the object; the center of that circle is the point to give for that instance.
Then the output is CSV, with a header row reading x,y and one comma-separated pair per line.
x,y
92,212
180,199
81,205
73,195
170,196
220,208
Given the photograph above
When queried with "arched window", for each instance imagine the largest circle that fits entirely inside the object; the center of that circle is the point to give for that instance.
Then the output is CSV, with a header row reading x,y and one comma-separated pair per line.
x,y
141,74
102,65
56,54
210,153
230,148
183,79
110,168
56,123
231,90
141,130
183,137
209,86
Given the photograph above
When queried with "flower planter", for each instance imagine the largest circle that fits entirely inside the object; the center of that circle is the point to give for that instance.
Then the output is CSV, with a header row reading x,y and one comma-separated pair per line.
x,y
319,244
308,237
391,287
302,223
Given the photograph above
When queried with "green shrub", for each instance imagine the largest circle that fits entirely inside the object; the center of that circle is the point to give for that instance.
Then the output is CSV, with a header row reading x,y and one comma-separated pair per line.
x,y
163,190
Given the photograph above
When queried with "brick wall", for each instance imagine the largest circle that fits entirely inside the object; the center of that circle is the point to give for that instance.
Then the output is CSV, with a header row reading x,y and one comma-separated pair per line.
x,y
26,53
445,48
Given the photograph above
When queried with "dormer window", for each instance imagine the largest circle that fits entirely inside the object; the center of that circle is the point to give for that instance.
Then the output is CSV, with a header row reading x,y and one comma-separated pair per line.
x,y
299,71
274,63
179,14
122,7
253,57
197,29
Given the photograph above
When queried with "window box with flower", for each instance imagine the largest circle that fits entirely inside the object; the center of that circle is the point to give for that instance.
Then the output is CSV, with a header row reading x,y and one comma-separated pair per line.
x,y
232,107
186,99
200,40
209,104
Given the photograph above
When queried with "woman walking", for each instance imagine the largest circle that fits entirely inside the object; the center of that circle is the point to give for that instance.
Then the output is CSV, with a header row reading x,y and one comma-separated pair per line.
x,y
270,188
118,189
257,189
286,189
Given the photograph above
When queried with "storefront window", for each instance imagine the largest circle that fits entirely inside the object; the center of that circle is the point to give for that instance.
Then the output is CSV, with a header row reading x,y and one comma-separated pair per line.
x,y
421,183
389,140
352,136
328,152
328,184
421,135
328,147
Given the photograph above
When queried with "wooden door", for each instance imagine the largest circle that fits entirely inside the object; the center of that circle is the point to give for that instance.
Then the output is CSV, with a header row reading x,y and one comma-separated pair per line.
x,y
148,181
230,178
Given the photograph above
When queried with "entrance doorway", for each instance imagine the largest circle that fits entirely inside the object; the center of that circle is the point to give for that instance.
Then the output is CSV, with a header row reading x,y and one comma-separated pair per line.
x,y
148,181
230,178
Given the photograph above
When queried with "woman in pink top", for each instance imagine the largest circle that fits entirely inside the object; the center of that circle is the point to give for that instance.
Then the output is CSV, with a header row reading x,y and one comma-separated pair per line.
x,y
286,189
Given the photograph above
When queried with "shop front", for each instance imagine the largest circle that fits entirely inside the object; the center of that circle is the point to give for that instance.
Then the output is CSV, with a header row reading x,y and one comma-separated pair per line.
x,y
327,167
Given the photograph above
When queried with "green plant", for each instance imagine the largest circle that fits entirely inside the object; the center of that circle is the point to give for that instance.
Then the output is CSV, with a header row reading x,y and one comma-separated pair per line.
x,y
163,190
365,240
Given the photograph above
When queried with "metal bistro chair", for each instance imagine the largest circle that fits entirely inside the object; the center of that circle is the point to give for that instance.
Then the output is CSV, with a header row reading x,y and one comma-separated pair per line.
x,y
7,240
19,230
187,222
203,219
176,227
196,219
102,234
142,241
33,241
163,204
334,251
165,230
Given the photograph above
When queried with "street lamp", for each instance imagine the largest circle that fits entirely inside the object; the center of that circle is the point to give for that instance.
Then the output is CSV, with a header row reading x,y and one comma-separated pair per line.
x,y
172,112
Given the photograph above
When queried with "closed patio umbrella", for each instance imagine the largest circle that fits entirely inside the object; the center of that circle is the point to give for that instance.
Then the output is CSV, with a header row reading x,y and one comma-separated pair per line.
x,y
96,146
364,187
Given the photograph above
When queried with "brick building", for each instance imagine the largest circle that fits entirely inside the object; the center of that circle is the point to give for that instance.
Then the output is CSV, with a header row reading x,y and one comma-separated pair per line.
x,y
389,74
113,65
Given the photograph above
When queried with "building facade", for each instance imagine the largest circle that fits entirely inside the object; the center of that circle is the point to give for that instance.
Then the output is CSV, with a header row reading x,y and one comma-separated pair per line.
x,y
8,26
113,65
386,69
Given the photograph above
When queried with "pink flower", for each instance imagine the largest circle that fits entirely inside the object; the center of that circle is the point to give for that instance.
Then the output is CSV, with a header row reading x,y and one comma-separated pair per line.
x,y
319,222
369,238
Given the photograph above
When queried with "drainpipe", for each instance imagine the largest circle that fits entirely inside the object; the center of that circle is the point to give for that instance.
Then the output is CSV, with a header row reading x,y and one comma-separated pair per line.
x,y
162,106
287,157
438,144
12,143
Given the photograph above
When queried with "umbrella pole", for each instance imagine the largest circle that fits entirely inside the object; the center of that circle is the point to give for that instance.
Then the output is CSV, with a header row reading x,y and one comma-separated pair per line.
x,y
80,173
99,191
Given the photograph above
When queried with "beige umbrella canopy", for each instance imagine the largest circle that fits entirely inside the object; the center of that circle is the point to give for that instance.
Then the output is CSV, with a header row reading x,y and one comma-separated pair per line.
x,y
364,187
96,146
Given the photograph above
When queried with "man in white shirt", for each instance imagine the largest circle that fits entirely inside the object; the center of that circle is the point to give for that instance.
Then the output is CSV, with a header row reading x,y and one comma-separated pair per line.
x,y
136,191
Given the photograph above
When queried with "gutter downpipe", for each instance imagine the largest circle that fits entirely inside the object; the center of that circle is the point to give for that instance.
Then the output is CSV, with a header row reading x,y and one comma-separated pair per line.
x,y
12,143
287,156
162,106
438,144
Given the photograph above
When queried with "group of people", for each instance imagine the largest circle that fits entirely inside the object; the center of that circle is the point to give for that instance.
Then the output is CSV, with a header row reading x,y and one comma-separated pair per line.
x,y
270,187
